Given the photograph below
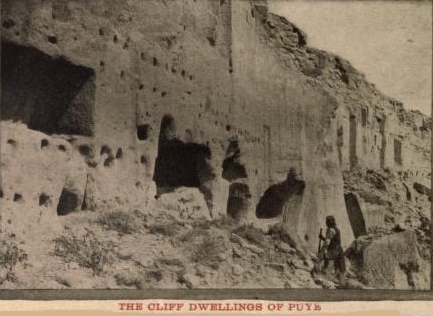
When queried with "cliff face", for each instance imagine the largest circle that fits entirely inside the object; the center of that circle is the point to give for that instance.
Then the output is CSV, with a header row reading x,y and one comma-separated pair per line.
x,y
366,131
222,96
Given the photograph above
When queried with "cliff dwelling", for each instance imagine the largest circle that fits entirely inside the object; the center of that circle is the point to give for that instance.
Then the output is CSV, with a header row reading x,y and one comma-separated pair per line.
x,y
49,94
189,144
277,196
178,163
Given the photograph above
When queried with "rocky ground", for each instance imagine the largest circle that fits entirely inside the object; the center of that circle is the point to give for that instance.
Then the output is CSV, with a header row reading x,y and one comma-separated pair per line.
x,y
164,248
157,249
396,252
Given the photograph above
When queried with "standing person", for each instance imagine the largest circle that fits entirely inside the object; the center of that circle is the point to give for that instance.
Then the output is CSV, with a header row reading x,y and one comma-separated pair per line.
x,y
332,250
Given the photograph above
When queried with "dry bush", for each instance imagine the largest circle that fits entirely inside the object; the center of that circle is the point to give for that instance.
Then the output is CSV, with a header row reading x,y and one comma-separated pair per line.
x,y
170,262
165,229
87,251
207,252
278,232
10,256
193,234
122,222
224,222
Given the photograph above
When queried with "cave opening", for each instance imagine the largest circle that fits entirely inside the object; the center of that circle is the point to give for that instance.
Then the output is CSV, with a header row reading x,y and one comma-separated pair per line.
x,y
142,131
397,152
49,94
238,201
340,143
354,212
180,164
232,168
68,202
273,201
352,142
364,116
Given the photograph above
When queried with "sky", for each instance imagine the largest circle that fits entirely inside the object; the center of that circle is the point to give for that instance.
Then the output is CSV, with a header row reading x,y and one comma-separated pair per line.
x,y
389,41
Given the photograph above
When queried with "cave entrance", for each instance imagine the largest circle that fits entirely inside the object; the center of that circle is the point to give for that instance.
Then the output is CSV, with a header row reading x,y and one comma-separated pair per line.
x,y
340,143
68,202
274,199
51,95
238,201
364,116
180,164
356,217
381,123
232,168
239,192
352,142
397,152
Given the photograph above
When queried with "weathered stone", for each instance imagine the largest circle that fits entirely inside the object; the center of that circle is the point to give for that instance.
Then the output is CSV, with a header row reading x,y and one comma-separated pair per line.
x,y
298,264
237,251
222,256
246,245
326,284
191,281
275,266
237,270
391,261
286,248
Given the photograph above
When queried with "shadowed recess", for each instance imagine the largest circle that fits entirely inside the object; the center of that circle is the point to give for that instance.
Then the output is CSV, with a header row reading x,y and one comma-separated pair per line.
x,y
68,202
355,215
238,201
272,202
232,168
179,163
49,94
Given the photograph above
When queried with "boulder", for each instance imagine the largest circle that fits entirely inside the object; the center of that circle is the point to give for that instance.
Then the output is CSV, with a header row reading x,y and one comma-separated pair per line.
x,y
191,281
237,270
283,247
393,261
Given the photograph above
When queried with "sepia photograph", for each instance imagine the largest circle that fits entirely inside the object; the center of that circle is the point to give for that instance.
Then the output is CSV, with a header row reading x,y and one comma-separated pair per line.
x,y
215,144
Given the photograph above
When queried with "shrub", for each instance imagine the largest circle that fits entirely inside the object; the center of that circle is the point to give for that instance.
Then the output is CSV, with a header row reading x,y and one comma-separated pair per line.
x,y
250,233
165,229
154,275
278,232
224,222
207,252
10,256
87,251
170,262
192,234
201,224
122,222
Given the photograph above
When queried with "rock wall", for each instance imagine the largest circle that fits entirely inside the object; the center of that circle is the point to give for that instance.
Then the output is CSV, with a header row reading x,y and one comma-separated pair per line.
x,y
218,95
